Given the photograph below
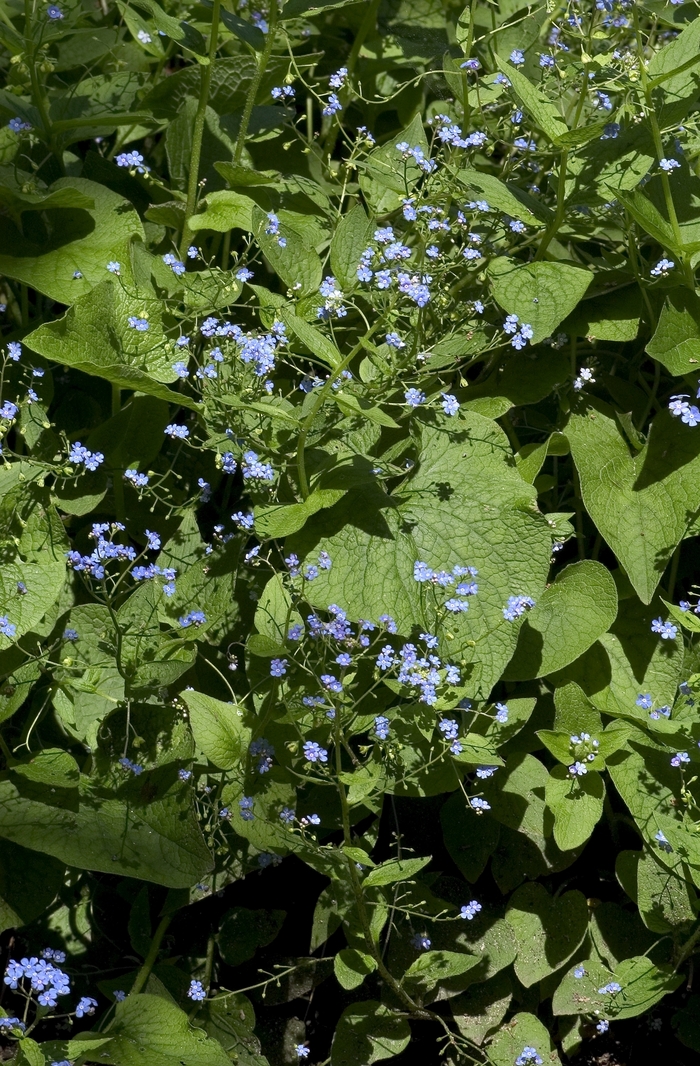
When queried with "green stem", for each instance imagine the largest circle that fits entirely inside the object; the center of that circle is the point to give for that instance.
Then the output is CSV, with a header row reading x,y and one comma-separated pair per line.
x,y
117,486
149,962
321,396
687,949
255,84
658,145
368,23
38,93
198,131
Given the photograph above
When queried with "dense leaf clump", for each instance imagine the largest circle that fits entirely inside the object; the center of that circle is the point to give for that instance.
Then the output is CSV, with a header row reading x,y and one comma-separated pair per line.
x,y
349,488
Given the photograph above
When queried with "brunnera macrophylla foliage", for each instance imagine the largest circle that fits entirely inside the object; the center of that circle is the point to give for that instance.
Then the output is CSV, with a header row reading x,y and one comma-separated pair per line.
x,y
349,493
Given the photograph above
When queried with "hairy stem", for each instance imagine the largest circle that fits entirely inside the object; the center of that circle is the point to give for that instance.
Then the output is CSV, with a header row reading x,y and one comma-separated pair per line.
x,y
255,83
198,131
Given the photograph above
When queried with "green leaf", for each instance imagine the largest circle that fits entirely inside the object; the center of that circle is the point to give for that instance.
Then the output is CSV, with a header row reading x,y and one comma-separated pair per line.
x,y
49,265
395,870
516,796
662,890
157,840
37,559
29,1053
351,967
643,985
676,341
94,336
316,341
218,728
649,218
245,31
524,1030
50,767
297,263
368,1032
464,503
481,1009
350,404
577,805
281,520
576,609
506,197
386,177
243,931
187,36
540,294
677,90
433,966
351,237
548,930
612,316
29,883
542,111
641,504
224,211
151,1031
470,841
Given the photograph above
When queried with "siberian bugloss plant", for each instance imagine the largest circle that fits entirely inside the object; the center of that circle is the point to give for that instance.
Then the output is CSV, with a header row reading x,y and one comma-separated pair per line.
x,y
349,493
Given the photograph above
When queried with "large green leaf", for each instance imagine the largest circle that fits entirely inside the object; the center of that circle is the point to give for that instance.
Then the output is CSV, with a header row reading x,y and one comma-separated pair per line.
x,y
218,728
368,1032
29,882
151,1031
676,341
157,841
572,613
83,239
576,804
464,504
33,568
541,294
94,336
641,504
524,1030
548,930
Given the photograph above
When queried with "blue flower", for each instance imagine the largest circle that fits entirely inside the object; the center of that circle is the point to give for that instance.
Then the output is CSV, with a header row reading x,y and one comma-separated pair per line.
x,y
666,630
611,989
313,752
470,911
516,606
278,667
394,341
194,618
603,1025
669,164
246,807
54,12
517,57
579,972
85,1006
7,628
176,431
528,1057
113,267
381,727
414,397
196,991
479,805
333,105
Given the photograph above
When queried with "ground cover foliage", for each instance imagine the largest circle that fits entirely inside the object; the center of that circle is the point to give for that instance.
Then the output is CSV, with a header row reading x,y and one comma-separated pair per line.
x,y
349,498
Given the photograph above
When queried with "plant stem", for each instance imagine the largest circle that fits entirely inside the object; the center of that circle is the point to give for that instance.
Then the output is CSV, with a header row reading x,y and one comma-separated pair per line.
x,y
658,145
117,486
255,83
149,962
38,93
198,131
321,394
